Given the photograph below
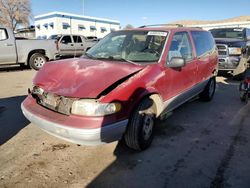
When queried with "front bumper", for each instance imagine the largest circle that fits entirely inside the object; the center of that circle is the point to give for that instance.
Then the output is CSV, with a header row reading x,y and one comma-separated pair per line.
x,y
228,63
57,125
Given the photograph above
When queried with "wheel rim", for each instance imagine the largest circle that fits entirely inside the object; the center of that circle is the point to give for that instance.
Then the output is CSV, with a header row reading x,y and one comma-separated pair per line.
x,y
211,88
39,62
148,124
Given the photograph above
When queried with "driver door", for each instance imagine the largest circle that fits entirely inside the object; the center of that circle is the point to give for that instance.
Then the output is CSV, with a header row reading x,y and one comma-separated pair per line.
x,y
66,46
7,48
180,80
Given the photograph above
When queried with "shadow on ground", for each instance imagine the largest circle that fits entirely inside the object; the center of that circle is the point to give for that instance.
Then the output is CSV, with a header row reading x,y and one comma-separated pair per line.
x,y
11,117
13,68
186,150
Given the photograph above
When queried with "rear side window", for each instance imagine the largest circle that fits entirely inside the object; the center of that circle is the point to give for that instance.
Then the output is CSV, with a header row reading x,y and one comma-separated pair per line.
x,y
3,34
77,39
66,39
204,42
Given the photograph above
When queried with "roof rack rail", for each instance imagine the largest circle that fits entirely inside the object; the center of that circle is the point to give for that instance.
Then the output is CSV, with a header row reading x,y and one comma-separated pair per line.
x,y
155,25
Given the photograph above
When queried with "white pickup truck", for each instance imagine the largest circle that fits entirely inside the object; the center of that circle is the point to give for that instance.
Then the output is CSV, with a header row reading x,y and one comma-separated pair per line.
x,y
33,53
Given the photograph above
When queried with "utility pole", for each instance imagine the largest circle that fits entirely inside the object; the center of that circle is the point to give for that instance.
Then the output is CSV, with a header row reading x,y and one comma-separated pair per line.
x,y
82,7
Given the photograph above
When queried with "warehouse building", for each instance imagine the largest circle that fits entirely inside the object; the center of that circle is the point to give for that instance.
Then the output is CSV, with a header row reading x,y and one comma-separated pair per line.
x,y
240,21
64,23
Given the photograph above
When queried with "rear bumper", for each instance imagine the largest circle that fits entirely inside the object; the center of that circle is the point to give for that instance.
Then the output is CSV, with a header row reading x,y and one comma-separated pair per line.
x,y
78,135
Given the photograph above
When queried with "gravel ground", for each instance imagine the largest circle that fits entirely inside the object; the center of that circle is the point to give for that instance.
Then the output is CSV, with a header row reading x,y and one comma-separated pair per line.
x,y
199,145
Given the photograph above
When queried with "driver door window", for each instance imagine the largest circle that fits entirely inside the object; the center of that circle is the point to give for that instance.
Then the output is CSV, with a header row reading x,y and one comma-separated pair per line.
x,y
180,47
66,40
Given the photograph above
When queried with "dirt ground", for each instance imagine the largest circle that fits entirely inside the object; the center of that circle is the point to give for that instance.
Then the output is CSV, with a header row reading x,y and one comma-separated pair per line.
x,y
199,145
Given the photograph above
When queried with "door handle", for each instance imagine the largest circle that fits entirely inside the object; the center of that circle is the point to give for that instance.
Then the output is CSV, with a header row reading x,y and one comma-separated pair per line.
x,y
8,44
72,45
81,44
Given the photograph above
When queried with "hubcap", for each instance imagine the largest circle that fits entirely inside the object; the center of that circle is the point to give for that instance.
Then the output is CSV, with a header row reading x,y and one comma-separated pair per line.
x,y
148,123
39,62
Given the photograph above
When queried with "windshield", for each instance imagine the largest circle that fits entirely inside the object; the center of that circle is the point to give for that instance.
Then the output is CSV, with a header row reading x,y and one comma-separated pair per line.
x,y
227,33
136,46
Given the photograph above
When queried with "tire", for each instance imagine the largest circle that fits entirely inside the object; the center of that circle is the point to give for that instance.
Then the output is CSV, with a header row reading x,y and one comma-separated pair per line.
x,y
243,93
37,60
140,131
208,93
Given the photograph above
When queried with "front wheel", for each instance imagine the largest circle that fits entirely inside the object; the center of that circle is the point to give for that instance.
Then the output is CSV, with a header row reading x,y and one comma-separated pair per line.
x,y
243,93
140,131
208,93
37,60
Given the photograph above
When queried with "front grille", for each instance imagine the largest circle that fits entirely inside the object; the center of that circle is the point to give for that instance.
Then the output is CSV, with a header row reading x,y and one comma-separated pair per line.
x,y
54,102
222,52
222,49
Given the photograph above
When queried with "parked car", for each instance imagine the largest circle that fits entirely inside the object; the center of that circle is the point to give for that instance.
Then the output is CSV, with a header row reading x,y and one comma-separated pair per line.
x,y
34,53
72,45
231,44
123,84
93,38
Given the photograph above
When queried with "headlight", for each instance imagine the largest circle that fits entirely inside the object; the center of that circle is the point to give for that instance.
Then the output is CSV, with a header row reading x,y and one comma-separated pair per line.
x,y
234,51
89,107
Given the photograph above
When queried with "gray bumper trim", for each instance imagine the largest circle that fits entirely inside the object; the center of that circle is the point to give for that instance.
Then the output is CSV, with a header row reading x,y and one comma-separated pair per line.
x,y
106,134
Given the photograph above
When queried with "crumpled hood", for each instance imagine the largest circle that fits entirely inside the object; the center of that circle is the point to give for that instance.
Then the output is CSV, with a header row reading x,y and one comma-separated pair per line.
x,y
81,78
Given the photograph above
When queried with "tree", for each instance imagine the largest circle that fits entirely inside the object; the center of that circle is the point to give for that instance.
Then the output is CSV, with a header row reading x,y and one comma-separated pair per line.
x,y
14,13
128,26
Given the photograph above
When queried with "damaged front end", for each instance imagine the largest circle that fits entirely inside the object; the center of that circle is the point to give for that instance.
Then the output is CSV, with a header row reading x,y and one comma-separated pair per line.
x,y
52,101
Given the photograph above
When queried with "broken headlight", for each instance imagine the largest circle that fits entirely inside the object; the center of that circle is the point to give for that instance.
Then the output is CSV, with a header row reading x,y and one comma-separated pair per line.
x,y
90,107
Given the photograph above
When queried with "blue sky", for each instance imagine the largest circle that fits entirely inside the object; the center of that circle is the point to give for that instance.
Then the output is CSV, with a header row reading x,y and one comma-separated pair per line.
x,y
140,12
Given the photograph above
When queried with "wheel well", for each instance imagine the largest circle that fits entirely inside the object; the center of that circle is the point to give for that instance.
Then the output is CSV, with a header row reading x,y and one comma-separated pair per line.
x,y
157,101
41,51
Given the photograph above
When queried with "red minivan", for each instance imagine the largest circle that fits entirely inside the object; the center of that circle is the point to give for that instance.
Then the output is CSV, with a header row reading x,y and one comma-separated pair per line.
x,y
122,84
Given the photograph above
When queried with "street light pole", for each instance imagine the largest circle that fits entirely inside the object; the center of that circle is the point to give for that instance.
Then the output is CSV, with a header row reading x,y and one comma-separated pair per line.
x,y
82,7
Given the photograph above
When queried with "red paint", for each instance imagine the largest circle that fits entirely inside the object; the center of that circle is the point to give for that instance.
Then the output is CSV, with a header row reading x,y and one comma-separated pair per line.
x,y
86,78
81,78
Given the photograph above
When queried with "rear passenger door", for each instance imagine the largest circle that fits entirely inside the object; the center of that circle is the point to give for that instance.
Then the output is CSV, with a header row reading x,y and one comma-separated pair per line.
x,y
79,47
205,54
66,46
181,79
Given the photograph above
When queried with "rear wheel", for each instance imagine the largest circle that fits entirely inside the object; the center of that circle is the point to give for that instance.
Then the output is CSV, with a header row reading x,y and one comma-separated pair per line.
x,y
208,93
243,93
37,60
140,131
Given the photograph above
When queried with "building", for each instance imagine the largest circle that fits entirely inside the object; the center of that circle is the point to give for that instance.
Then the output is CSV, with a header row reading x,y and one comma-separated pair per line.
x,y
241,21
64,23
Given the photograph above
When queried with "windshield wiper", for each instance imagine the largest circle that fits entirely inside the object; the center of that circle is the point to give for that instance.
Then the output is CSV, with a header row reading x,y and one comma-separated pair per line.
x,y
129,61
90,56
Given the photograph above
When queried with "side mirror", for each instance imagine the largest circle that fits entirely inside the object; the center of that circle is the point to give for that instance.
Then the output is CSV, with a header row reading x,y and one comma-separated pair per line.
x,y
63,42
176,62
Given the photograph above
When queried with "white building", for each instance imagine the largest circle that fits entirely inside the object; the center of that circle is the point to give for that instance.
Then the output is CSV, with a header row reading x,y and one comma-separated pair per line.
x,y
64,23
223,25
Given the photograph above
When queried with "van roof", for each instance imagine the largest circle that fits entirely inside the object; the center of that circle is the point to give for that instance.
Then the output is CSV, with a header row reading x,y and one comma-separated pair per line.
x,y
166,28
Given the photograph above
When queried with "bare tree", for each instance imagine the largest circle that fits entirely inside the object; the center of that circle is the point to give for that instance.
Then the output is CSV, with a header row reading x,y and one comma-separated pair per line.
x,y
15,12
